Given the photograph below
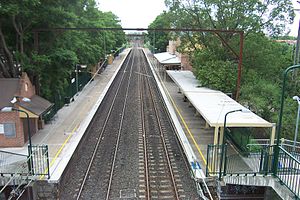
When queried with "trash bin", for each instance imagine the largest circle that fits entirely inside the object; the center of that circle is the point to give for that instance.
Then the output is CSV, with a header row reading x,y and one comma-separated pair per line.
x,y
67,100
110,59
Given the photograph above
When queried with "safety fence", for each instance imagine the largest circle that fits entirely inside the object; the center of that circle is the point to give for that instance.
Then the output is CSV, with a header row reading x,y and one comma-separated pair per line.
x,y
19,170
223,162
37,164
215,153
11,163
40,160
67,95
288,171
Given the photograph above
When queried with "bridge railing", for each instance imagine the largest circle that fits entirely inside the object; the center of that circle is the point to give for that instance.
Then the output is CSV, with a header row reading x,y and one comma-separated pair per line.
x,y
255,163
40,160
11,163
23,165
289,171
214,156
21,170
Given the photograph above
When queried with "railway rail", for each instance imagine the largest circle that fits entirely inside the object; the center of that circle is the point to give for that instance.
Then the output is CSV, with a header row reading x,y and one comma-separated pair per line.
x,y
130,150
160,180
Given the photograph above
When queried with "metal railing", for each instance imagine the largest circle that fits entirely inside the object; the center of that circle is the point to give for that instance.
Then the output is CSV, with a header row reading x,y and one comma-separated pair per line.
x,y
12,164
260,162
40,160
21,170
288,145
289,171
233,163
214,154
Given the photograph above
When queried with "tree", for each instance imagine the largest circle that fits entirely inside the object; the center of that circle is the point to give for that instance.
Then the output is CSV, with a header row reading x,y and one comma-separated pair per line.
x,y
250,16
58,51
17,16
159,39
263,60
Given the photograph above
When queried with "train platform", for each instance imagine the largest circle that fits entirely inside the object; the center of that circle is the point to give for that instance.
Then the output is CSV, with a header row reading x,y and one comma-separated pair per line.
x,y
64,132
202,121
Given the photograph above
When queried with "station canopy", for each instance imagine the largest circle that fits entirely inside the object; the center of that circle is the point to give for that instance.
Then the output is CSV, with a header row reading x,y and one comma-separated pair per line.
x,y
167,58
213,104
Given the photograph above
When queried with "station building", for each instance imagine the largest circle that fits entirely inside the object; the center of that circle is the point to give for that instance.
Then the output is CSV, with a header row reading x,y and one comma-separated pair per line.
x,y
14,124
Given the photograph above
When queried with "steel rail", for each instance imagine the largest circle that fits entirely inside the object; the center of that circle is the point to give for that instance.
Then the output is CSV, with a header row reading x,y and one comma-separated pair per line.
x,y
101,133
119,132
151,91
146,168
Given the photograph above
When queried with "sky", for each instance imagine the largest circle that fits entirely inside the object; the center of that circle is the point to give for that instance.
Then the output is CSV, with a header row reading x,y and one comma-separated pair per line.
x,y
134,13
140,13
295,25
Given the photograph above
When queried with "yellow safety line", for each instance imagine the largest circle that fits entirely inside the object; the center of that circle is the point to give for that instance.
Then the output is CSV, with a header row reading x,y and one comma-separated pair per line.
x,y
186,126
59,151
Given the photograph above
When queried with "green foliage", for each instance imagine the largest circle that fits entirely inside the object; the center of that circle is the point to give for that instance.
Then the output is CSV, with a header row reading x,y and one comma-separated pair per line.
x,y
53,66
261,96
217,74
159,39
249,16
264,60
266,57
289,118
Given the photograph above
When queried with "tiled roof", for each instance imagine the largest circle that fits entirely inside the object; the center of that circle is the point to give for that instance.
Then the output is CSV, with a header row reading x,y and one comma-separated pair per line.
x,y
9,87
37,105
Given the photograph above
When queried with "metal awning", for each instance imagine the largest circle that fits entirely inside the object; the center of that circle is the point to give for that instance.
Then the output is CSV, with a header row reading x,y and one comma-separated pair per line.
x,y
166,58
213,104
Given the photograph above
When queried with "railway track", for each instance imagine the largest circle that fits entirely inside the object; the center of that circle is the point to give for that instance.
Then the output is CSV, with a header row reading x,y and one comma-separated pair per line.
x,y
130,150
159,175
92,173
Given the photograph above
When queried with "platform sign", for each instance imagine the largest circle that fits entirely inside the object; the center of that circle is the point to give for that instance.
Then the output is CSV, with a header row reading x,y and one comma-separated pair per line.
x,y
195,165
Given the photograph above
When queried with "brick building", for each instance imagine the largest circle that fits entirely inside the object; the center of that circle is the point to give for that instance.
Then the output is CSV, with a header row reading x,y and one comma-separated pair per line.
x,y
13,125
184,58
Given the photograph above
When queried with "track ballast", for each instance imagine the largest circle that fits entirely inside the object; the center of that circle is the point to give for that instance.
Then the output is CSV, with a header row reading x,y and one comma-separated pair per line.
x,y
130,150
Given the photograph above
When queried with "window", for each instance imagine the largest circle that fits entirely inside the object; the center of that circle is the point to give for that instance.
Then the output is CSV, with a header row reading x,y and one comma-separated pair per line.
x,y
8,129
26,87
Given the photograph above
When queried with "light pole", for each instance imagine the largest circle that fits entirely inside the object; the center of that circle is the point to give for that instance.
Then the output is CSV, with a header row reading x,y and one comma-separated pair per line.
x,y
77,70
9,109
76,78
296,98
276,152
224,135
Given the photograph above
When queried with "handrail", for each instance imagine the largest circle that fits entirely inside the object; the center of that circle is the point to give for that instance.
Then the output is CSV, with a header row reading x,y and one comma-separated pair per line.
x,y
289,141
289,154
288,168
12,153
289,175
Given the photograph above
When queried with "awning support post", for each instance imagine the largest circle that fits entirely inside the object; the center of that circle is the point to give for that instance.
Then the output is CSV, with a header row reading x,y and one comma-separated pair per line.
x,y
221,135
272,139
